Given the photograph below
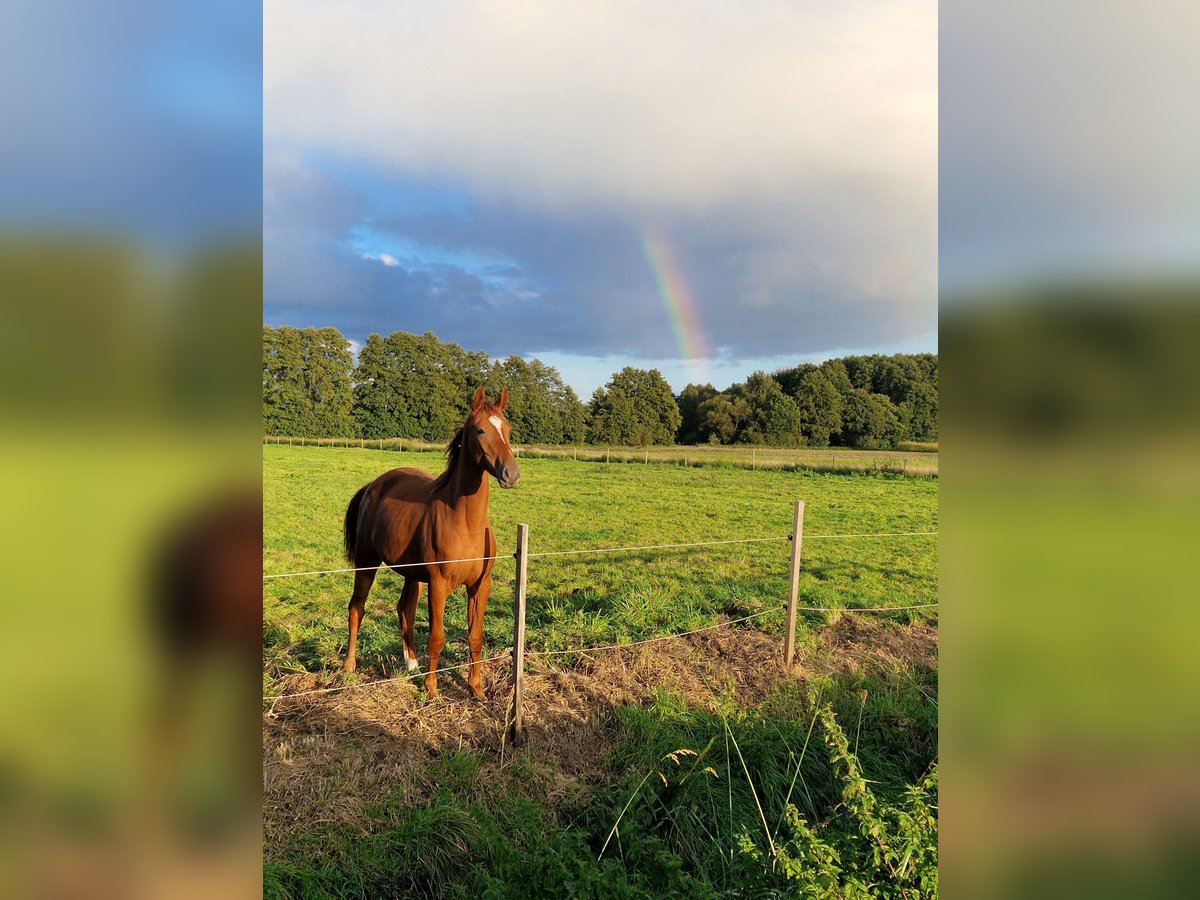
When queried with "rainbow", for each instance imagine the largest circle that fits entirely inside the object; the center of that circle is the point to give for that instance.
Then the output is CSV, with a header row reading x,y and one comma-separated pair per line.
x,y
677,302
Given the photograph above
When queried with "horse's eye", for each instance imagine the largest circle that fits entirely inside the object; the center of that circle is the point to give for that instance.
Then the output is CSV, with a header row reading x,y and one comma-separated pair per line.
x,y
480,431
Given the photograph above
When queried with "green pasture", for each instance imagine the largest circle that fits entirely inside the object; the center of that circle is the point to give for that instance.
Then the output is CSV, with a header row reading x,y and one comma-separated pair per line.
x,y
584,600
826,787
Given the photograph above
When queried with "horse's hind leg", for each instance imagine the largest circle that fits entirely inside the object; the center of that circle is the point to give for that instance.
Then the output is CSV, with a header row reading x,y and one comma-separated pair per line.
x,y
406,612
363,579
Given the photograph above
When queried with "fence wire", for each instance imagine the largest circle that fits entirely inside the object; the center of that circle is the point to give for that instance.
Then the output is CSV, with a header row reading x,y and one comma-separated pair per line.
x,y
604,647
588,551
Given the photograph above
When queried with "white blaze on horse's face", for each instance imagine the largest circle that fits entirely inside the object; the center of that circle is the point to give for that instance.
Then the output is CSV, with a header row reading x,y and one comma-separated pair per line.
x,y
495,420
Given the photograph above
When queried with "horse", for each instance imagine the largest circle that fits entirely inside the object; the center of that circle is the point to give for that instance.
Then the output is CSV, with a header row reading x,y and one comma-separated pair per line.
x,y
434,531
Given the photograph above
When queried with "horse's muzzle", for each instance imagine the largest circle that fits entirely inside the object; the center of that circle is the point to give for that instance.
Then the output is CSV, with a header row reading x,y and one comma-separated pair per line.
x,y
508,475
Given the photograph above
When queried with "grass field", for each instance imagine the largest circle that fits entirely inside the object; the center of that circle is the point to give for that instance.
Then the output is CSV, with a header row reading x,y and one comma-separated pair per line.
x,y
708,824
578,601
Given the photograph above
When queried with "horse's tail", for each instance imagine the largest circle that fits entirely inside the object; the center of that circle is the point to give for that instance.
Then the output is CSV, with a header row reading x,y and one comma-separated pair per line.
x,y
350,527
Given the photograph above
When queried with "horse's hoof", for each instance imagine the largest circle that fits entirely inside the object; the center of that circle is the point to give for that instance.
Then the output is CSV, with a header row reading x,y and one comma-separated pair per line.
x,y
348,667
478,694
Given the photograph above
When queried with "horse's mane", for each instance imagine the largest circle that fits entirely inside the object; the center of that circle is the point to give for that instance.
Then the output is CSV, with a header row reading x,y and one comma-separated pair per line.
x,y
454,448
453,452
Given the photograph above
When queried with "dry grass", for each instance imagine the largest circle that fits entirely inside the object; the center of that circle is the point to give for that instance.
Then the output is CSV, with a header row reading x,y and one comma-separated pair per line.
x,y
909,458
327,758
854,644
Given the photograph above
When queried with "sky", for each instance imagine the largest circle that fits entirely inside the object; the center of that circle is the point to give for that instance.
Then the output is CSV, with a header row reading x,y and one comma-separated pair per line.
x,y
705,188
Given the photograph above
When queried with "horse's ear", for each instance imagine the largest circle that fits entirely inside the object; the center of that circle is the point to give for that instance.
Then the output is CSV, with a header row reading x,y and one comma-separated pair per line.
x,y
503,402
478,400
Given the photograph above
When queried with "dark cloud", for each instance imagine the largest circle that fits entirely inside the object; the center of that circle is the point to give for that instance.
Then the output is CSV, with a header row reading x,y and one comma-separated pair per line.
x,y
578,285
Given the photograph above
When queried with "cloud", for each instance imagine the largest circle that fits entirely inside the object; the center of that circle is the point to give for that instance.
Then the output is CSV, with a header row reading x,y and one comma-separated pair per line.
x,y
386,258
509,157
615,103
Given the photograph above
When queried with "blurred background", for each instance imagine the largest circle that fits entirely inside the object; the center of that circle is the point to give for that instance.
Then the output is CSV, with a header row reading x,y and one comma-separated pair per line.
x,y
1069,326
130,308
130,520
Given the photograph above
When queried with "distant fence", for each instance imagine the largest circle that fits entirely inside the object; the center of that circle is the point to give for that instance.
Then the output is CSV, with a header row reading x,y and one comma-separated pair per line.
x,y
911,461
523,557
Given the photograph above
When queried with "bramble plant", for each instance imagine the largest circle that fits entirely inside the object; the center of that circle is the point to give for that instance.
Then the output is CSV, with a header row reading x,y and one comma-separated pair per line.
x,y
877,850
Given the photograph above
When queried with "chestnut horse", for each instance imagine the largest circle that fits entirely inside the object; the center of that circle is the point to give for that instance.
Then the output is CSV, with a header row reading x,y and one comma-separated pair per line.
x,y
406,517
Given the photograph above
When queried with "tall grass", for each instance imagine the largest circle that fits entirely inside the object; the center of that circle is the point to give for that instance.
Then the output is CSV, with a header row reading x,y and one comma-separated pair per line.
x,y
690,820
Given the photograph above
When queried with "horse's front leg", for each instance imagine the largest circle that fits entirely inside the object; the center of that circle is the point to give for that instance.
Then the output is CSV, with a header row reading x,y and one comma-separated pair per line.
x,y
438,591
477,598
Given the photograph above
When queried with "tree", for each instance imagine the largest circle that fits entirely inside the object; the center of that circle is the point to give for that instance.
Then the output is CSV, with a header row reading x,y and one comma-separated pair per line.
x,y
920,410
861,371
869,421
531,410
575,416
328,368
689,402
779,421
723,417
376,390
306,382
789,379
820,408
636,408
286,409
754,412
405,385
437,388
835,371
772,416
417,387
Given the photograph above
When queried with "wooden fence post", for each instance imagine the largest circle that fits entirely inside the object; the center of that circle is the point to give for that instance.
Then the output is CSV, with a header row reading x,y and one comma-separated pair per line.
x,y
789,647
517,730
753,458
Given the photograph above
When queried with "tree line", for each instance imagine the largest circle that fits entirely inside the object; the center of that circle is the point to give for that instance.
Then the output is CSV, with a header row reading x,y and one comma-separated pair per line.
x,y
416,386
